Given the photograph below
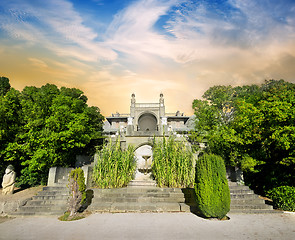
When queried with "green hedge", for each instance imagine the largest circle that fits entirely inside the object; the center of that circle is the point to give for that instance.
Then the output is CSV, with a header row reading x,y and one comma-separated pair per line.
x,y
211,186
283,197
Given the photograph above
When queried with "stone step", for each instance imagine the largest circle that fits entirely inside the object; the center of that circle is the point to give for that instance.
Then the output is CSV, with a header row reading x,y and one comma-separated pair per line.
x,y
53,193
57,202
27,214
50,201
239,187
252,206
63,183
56,188
140,199
243,196
138,207
43,209
137,190
254,211
112,194
241,191
50,197
142,183
239,201
244,200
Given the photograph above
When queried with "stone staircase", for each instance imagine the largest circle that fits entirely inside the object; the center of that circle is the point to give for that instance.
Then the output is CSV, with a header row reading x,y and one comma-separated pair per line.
x,y
139,196
50,201
244,200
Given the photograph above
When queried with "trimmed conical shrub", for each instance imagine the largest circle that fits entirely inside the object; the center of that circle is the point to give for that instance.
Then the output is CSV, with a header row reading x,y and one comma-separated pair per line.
x,y
212,191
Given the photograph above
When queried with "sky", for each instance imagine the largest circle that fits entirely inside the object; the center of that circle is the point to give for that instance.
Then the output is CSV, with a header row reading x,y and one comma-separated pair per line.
x,y
112,48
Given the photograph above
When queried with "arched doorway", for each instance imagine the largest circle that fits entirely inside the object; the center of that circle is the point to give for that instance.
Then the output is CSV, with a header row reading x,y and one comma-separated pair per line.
x,y
143,158
147,122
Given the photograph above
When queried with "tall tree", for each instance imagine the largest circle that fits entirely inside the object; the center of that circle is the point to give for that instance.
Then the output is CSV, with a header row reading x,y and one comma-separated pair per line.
x,y
4,85
52,126
256,133
10,125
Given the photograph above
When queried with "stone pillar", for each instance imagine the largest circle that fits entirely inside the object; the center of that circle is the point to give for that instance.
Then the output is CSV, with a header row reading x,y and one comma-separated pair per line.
x,y
87,175
56,173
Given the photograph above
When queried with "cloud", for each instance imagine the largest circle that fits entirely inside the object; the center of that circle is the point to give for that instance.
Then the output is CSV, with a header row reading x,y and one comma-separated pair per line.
x,y
38,63
177,47
133,32
55,25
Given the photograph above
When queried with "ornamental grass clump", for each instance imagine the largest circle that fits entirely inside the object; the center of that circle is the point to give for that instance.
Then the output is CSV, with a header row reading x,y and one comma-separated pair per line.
x,y
115,167
211,187
173,164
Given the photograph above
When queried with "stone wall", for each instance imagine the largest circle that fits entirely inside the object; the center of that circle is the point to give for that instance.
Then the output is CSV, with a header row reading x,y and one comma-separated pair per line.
x,y
9,206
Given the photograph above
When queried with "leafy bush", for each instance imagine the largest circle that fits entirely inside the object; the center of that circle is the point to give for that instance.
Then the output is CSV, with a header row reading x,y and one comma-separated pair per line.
x,y
211,187
173,164
77,189
115,167
283,197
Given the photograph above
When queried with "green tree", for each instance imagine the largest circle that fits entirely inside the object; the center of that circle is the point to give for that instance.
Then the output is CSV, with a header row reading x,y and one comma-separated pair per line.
x,y
53,125
4,85
256,132
10,125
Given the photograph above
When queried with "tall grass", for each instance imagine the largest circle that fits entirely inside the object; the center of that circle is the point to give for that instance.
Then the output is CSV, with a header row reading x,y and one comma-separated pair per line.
x,y
173,164
115,167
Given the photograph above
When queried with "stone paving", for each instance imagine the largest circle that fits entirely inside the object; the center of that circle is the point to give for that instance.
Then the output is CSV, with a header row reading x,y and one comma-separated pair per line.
x,y
152,226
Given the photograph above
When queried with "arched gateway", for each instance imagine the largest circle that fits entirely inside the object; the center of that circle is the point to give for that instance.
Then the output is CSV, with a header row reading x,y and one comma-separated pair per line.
x,y
147,122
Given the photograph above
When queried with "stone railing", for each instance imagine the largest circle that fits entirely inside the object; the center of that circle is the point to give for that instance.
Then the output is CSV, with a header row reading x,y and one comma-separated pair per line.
x,y
147,105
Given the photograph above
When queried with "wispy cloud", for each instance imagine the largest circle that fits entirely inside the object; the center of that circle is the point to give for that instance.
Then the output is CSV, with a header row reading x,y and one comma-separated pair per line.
x,y
38,63
55,25
180,47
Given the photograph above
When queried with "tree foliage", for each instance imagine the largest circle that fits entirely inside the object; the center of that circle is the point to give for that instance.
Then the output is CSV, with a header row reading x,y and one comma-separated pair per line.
x,y
4,85
252,127
45,127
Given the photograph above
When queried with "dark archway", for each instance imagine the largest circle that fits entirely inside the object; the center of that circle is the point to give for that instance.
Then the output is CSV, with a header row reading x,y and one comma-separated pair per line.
x,y
147,122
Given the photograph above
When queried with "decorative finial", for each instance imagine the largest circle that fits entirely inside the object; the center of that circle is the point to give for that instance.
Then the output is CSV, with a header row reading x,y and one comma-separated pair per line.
x,y
133,99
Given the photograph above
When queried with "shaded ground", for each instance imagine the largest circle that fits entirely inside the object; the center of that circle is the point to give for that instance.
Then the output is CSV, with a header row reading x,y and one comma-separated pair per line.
x,y
152,226
20,194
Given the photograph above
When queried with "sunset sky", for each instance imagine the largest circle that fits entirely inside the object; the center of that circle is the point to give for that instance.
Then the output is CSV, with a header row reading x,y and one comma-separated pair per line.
x,y
111,49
